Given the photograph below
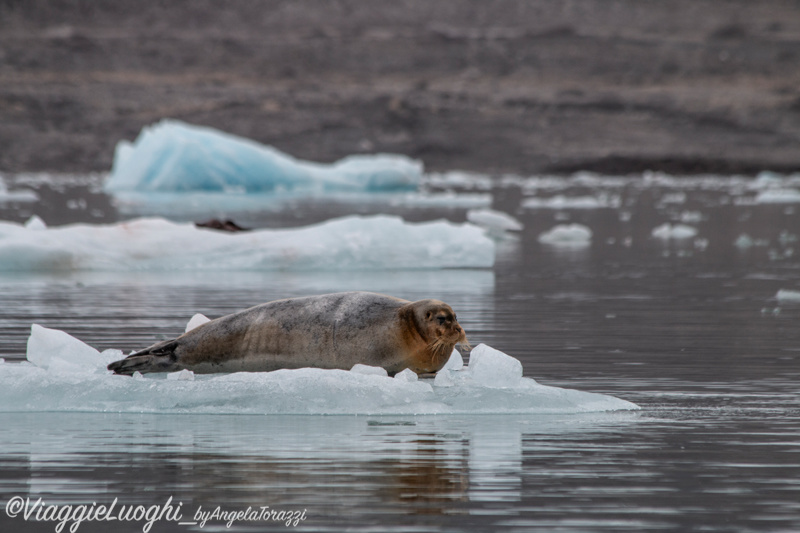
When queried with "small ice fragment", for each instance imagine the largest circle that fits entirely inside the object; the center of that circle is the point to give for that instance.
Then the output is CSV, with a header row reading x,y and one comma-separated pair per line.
x,y
677,231
406,375
137,375
197,320
575,202
786,295
691,217
443,378
111,355
182,375
35,223
786,238
369,370
778,196
456,362
48,346
744,241
567,235
493,220
493,368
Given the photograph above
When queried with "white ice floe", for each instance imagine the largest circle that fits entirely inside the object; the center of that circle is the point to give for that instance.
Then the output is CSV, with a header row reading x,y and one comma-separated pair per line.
x,y
172,156
63,374
154,244
668,231
778,196
576,202
496,222
567,235
786,295
745,241
16,196
197,320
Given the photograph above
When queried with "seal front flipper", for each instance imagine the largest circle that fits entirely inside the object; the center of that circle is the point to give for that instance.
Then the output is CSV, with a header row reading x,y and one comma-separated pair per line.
x,y
159,357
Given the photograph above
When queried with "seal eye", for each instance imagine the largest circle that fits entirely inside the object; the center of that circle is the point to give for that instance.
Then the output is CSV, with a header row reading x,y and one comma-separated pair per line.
x,y
441,320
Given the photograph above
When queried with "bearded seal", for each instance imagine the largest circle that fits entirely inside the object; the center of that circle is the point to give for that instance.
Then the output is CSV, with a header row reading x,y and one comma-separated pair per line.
x,y
328,331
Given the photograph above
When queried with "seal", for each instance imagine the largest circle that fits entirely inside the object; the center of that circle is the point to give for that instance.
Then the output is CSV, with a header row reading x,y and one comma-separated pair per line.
x,y
327,331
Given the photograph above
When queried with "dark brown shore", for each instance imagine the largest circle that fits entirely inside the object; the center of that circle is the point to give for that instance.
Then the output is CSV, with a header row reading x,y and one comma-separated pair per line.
x,y
614,86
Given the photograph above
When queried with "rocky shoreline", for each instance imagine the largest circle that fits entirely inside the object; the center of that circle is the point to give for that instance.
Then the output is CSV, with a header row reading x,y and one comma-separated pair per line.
x,y
614,86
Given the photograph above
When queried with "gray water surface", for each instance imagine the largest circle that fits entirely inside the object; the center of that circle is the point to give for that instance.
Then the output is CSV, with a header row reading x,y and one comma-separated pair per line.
x,y
691,331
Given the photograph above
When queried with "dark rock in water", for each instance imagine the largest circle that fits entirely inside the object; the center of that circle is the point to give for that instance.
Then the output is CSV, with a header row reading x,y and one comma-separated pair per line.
x,y
222,225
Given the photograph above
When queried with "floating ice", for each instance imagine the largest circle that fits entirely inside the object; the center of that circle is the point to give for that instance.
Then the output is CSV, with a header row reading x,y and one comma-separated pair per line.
x,y
493,368
668,231
745,241
567,235
16,196
456,361
778,196
152,244
172,156
367,370
35,223
406,375
181,375
496,222
63,374
786,295
197,320
577,202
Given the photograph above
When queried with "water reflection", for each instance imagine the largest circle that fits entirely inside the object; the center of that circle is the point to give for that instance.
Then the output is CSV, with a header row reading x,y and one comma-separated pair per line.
x,y
402,465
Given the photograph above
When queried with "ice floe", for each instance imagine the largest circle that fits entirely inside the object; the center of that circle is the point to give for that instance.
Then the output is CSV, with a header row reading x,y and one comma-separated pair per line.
x,y
16,196
567,235
778,196
64,374
669,231
154,244
496,222
172,156
570,202
786,295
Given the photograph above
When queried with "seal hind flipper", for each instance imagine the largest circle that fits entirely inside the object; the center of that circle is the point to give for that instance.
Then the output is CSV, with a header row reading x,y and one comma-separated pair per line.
x,y
157,358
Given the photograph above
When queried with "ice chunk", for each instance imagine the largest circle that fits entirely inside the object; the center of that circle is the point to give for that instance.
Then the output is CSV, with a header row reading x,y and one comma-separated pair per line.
x,y
572,202
494,221
181,375
17,196
197,320
778,196
786,295
456,361
153,244
492,384
567,235
172,156
367,370
35,223
52,347
406,375
493,368
668,231
444,378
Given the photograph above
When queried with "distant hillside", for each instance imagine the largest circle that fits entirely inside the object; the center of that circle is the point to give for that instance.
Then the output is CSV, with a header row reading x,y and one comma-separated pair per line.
x,y
499,86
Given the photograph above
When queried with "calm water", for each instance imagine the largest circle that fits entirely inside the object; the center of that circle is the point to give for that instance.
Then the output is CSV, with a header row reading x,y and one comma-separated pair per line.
x,y
691,331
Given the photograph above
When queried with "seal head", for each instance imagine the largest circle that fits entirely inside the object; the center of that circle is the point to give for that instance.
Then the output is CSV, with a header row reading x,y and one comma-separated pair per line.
x,y
436,326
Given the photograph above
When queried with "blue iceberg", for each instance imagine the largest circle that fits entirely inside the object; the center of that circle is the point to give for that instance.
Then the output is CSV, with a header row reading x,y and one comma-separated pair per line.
x,y
172,156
